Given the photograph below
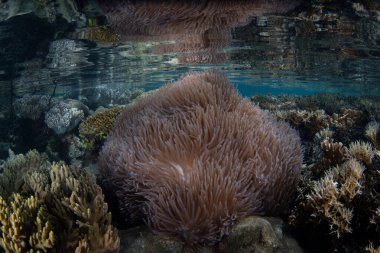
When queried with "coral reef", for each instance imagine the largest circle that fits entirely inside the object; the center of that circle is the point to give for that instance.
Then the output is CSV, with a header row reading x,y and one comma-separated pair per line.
x,y
31,106
372,132
197,143
14,170
65,116
338,196
95,128
78,206
360,151
25,225
52,208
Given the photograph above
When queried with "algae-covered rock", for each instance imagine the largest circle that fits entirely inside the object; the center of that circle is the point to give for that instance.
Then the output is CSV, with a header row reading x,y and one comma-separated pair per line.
x,y
260,234
142,240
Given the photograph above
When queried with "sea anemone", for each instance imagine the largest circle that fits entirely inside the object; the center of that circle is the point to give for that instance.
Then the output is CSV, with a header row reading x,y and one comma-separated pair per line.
x,y
194,157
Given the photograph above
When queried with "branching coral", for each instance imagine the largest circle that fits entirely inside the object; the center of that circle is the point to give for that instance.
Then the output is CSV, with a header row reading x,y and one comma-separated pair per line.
x,y
25,225
330,195
326,152
16,168
361,151
372,132
195,156
311,122
78,205
63,209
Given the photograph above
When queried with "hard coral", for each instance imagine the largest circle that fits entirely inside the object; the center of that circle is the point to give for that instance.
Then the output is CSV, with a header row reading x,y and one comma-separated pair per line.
x,y
16,169
330,197
77,204
94,129
195,156
61,208
25,225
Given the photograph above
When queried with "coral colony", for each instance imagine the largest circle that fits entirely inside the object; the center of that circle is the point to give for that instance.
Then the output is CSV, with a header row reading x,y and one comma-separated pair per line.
x,y
194,157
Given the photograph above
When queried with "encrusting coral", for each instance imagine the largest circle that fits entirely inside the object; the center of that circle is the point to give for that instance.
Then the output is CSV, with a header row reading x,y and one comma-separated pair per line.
x,y
195,156
54,208
95,128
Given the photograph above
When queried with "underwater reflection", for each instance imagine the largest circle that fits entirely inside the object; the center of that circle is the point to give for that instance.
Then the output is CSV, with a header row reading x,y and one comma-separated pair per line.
x,y
197,30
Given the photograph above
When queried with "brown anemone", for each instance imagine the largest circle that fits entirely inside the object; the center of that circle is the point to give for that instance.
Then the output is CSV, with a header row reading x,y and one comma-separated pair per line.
x,y
194,157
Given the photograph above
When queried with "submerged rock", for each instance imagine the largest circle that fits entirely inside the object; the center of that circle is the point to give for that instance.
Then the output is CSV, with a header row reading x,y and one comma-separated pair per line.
x,y
260,234
251,235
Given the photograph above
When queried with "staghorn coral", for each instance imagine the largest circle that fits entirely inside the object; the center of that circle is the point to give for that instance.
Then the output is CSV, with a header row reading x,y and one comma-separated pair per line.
x,y
94,129
328,153
361,151
195,156
309,123
329,198
371,249
25,225
372,131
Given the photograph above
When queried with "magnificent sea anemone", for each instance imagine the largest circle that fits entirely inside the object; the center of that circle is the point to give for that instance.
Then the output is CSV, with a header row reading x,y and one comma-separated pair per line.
x,y
198,30
194,156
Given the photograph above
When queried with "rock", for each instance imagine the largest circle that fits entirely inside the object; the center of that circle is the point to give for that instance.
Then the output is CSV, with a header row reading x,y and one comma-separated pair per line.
x,y
142,240
252,234
260,234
